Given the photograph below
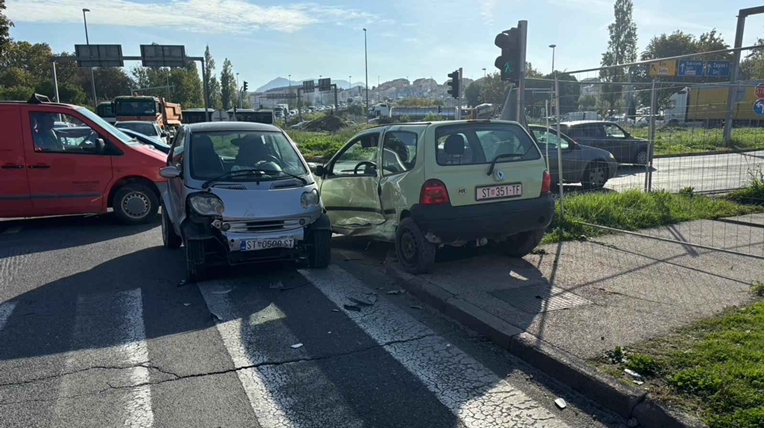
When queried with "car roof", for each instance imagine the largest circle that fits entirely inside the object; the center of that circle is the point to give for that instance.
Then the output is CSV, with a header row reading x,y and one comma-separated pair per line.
x,y
136,121
445,122
231,126
584,122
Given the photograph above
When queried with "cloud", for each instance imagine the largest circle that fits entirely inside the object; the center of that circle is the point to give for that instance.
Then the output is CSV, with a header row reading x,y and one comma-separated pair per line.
x,y
487,10
198,16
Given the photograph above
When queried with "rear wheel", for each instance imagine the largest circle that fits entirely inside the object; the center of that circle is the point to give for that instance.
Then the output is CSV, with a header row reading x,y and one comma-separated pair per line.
x,y
414,252
641,158
320,252
170,239
595,176
523,243
135,203
196,270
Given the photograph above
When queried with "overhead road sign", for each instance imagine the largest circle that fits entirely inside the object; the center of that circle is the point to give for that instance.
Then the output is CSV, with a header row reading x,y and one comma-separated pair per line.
x,y
718,68
163,55
325,84
687,67
663,68
99,55
308,85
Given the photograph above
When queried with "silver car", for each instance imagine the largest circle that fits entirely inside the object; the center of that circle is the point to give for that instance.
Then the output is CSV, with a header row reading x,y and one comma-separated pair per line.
x,y
241,192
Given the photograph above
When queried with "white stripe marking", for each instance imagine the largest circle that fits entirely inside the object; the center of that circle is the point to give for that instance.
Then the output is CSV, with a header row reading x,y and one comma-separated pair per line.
x,y
138,408
471,391
267,386
6,308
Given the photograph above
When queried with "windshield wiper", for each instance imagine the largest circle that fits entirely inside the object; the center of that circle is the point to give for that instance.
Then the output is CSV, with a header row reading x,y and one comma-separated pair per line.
x,y
302,180
503,155
229,174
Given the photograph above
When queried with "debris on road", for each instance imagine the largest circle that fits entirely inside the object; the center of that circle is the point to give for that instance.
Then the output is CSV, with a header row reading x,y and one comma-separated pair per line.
x,y
292,287
297,345
395,292
638,382
182,283
352,308
633,373
415,307
362,302
335,310
561,403
215,316
539,251
221,291
276,285
186,304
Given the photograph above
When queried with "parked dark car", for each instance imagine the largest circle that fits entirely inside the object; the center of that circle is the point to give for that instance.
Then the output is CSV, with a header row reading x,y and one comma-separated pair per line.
x,y
581,164
149,141
608,136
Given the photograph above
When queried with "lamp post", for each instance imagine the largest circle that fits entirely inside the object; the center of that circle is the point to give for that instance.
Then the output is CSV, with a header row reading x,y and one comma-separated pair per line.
x,y
366,71
484,71
87,41
552,72
238,95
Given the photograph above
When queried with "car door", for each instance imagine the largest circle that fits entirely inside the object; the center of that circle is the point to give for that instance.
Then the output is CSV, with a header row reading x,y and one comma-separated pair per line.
x,y
548,143
617,142
14,192
350,189
398,157
175,185
67,170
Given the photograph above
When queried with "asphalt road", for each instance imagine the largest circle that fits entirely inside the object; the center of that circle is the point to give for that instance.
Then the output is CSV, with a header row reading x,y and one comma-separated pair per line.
x,y
703,173
98,330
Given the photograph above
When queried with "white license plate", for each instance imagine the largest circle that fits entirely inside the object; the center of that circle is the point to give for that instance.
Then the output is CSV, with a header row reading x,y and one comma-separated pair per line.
x,y
266,244
499,192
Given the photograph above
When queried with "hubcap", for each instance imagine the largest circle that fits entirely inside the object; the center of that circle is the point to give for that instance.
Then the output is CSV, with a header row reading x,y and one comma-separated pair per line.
x,y
408,247
597,176
642,158
136,205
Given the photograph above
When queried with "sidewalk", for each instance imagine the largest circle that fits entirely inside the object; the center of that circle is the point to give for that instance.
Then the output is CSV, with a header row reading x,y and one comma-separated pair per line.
x,y
588,297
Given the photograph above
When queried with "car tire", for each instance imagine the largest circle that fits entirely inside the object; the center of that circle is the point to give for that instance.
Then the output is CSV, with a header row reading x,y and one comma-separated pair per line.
x,y
415,254
641,157
170,239
320,249
595,176
135,203
196,270
523,243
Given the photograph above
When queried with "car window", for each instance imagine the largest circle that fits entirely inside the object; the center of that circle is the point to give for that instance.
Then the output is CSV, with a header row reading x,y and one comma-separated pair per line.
x,y
399,152
614,131
594,130
476,144
349,162
549,137
61,133
176,155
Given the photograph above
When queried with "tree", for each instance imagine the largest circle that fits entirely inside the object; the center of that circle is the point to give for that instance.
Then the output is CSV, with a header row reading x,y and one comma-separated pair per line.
x,y
531,71
5,34
587,102
213,87
227,85
752,65
472,93
492,90
622,49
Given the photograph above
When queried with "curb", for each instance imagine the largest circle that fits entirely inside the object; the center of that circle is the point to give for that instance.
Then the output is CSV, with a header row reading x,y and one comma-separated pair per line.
x,y
626,401
717,152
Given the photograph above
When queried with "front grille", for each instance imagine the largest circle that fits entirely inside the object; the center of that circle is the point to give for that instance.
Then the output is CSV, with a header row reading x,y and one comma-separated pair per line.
x,y
265,226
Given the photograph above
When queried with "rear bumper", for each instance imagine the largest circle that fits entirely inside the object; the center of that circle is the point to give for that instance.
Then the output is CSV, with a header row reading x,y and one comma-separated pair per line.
x,y
444,223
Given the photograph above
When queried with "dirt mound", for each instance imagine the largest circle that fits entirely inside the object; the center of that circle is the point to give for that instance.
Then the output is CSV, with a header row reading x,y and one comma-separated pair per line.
x,y
326,123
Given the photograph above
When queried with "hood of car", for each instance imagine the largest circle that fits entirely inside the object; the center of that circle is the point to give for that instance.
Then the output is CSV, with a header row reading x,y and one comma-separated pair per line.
x,y
251,201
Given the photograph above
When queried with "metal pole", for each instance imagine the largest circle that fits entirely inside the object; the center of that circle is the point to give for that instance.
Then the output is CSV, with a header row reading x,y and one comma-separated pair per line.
x,y
204,89
366,73
335,86
547,128
238,97
733,71
651,138
55,80
87,41
521,114
560,154
458,113
300,110
552,71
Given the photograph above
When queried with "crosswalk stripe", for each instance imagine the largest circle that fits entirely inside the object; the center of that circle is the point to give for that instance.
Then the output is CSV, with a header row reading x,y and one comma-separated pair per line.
x,y
6,308
266,386
471,391
128,355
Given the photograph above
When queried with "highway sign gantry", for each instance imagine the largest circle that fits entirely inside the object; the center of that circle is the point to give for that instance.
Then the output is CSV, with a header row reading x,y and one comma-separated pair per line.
x,y
663,68
686,67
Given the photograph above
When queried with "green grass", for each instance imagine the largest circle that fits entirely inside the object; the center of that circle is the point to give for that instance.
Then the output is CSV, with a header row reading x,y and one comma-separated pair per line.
x,y
712,368
323,144
634,209
751,194
677,140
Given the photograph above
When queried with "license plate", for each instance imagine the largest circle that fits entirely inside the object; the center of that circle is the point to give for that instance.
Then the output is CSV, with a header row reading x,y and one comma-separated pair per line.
x,y
266,244
498,192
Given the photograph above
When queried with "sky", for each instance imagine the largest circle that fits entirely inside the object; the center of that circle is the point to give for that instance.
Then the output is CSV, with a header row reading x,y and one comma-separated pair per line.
x,y
405,38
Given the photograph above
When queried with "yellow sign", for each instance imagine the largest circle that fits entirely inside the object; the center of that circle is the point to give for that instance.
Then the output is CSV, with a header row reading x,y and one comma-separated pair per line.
x,y
663,68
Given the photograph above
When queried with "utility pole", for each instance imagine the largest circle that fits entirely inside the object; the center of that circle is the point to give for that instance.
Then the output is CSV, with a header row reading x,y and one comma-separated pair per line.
x,y
87,41
366,72
521,113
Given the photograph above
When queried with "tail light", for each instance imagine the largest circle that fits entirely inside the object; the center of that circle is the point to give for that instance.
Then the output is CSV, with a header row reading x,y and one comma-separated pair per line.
x,y
433,192
545,182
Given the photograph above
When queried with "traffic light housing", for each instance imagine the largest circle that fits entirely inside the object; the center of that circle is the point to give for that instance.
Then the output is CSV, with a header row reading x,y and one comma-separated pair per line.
x,y
244,87
509,62
454,84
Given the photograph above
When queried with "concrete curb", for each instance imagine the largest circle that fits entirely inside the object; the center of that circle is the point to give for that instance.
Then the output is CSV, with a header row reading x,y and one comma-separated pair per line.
x,y
717,152
624,400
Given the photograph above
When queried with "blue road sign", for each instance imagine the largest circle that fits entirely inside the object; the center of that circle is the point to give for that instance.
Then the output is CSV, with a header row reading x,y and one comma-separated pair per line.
x,y
757,106
687,67
718,68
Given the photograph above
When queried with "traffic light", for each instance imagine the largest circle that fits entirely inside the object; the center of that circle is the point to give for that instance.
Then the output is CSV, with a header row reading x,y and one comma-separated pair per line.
x,y
454,91
509,63
244,87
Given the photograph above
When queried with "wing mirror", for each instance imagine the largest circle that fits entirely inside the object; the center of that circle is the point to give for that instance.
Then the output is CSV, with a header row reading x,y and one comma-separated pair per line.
x,y
169,172
317,169
100,145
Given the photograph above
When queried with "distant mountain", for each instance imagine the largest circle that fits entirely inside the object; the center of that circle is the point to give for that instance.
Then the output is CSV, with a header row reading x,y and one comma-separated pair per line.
x,y
281,82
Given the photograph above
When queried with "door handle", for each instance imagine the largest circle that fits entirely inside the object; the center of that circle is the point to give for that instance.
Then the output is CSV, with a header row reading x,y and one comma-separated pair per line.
x,y
11,166
39,166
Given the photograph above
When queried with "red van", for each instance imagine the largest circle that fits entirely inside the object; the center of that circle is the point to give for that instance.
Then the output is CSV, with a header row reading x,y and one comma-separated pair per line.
x,y
64,159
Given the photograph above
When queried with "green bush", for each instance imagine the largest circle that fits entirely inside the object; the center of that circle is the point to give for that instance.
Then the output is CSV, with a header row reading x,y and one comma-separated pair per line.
x,y
751,194
641,363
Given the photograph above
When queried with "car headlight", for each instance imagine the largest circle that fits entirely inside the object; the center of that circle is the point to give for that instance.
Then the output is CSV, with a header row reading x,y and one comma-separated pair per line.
x,y
308,199
611,155
206,204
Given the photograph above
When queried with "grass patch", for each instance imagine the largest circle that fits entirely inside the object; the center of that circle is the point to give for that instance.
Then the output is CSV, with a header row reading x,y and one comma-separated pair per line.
x,y
713,368
323,144
635,209
751,194
678,140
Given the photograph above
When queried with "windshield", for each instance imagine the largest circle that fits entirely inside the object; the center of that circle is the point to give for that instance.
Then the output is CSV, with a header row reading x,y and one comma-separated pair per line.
x,y
480,143
215,153
142,128
135,107
105,125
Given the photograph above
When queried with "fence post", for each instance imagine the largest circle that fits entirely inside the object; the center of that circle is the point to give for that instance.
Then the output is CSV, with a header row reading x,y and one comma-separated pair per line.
x,y
560,154
651,138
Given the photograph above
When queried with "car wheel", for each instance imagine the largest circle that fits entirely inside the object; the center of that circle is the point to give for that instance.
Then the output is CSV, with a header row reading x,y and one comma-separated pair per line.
x,y
414,252
641,158
320,251
135,204
595,176
523,243
195,260
170,239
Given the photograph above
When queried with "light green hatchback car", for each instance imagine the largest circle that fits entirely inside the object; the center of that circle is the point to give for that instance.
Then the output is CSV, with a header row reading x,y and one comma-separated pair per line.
x,y
426,185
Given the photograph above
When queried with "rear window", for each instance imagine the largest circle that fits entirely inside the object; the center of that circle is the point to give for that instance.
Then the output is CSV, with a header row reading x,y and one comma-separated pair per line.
x,y
471,144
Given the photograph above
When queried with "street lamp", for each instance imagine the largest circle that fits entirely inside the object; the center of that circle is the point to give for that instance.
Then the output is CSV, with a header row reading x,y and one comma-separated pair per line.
x,y
553,58
87,41
366,70
484,71
238,95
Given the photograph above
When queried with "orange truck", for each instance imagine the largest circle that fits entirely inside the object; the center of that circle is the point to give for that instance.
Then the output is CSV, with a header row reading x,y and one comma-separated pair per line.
x,y
147,108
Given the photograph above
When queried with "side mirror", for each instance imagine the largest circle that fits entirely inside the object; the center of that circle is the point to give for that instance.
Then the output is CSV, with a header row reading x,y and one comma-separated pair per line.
x,y
169,172
320,170
100,145
164,135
